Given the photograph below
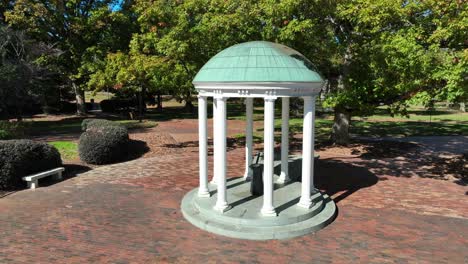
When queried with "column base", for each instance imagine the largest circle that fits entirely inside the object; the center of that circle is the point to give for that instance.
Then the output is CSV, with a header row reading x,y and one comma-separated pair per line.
x,y
245,221
248,175
283,178
204,194
307,204
222,208
268,212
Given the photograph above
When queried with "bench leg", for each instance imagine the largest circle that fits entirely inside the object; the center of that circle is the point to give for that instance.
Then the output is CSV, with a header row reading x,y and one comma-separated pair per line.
x,y
32,184
58,176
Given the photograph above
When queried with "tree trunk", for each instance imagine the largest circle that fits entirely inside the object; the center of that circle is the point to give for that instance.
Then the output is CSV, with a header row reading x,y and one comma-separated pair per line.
x,y
80,99
141,103
188,102
159,102
462,107
189,106
340,132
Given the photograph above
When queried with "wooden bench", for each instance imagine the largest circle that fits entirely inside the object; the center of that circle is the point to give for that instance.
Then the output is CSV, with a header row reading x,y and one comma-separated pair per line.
x,y
32,179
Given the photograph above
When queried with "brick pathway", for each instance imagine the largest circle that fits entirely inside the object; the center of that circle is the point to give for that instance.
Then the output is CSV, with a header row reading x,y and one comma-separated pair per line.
x,y
129,213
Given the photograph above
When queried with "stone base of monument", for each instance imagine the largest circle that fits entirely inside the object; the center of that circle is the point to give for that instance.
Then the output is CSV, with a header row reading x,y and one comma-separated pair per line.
x,y
244,219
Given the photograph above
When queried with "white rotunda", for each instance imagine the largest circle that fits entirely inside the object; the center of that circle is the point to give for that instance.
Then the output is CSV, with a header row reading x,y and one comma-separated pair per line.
x,y
287,208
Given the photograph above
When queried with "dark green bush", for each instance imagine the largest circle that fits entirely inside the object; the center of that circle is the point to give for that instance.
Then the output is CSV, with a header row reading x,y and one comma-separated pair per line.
x,y
96,123
11,130
67,107
116,105
19,158
103,145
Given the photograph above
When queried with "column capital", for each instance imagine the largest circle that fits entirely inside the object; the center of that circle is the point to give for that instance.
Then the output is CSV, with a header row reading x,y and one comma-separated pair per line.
x,y
309,97
270,98
199,96
220,97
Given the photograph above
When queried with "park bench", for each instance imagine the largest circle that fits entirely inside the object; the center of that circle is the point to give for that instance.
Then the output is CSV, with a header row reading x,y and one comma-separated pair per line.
x,y
33,179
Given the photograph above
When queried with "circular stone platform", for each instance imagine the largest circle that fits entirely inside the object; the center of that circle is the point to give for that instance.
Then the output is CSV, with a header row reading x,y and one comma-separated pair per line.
x,y
244,220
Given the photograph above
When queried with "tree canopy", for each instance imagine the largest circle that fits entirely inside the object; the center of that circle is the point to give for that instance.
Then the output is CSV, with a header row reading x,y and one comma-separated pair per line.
x,y
85,30
371,52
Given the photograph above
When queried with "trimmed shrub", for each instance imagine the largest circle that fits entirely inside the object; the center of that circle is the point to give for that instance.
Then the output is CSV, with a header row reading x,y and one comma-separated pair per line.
x,y
19,158
11,130
67,107
103,145
107,106
116,105
96,123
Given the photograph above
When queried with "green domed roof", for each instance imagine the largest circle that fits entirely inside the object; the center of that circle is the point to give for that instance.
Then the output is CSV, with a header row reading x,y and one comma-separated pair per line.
x,y
258,61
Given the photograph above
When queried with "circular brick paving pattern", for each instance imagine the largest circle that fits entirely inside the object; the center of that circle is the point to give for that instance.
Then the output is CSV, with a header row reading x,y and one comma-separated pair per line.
x,y
130,213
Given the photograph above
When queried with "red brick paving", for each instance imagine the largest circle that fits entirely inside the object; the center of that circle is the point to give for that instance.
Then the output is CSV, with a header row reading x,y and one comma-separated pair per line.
x,y
129,213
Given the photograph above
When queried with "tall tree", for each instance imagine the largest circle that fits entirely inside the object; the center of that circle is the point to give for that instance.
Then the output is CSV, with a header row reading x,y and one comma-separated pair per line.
x,y
393,50
371,52
83,29
135,73
376,52
187,33
24,65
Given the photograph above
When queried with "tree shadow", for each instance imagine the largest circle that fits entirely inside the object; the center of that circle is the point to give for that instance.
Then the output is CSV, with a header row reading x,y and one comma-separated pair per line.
x,y
71,171
385,149
408,159
408,128
334,176
136,149
427,112
231,144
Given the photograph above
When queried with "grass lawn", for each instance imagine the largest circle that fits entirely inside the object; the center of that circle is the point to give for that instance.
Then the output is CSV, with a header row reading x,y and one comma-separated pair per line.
x,y
98,97
441,122
68,149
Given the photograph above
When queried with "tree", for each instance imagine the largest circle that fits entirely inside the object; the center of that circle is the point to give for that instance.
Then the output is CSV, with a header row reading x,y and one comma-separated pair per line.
x,y
394,50
185,34
23,67
376,52
137,73
84,29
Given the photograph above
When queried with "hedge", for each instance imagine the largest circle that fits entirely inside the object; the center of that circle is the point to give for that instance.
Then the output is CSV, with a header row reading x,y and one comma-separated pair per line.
x,y
12,130
115,105
96,123
19,158
103,144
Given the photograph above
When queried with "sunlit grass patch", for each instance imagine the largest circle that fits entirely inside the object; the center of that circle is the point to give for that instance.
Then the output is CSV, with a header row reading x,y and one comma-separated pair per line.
x,y
68,149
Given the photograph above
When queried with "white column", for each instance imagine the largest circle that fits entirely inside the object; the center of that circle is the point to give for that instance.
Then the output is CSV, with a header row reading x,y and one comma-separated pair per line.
x,y
215,167
307,152
248,137
203,190
220,154
284,176
269,140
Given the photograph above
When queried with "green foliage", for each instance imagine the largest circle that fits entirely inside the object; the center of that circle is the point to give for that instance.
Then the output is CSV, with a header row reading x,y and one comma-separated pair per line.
x,y
85,30
371,52
116,105
12,130
394,50
24,75
174,41
19,158
103,145
91,123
